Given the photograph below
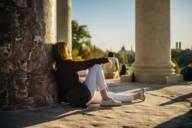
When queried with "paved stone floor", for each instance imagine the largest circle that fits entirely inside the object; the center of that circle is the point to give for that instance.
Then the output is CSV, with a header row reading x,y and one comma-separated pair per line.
x,y
165,107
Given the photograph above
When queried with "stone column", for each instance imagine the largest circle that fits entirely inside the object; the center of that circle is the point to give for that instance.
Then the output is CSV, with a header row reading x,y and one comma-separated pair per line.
x,y
50,19
26,78
153,53
64,29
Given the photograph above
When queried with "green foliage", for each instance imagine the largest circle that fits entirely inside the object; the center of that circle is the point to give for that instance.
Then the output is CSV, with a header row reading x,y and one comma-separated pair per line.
x,y
176,66
97,52
81,42
119,57
131,59
80,34
182,57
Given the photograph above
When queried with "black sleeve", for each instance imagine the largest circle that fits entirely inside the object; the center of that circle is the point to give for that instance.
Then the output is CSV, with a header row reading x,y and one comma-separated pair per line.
x,y
82,65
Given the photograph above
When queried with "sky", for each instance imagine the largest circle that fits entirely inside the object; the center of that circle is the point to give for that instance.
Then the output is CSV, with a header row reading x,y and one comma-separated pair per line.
x,y
111,23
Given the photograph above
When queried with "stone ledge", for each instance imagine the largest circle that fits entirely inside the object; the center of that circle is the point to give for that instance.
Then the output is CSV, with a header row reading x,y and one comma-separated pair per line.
x,y
171,79
125,78
174,79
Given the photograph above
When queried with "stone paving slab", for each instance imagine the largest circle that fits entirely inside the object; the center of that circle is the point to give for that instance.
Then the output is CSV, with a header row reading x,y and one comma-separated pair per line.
x,y
165,107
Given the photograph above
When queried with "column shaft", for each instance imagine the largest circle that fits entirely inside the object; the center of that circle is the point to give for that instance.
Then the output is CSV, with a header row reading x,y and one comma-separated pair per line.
x,y
153,52
64,31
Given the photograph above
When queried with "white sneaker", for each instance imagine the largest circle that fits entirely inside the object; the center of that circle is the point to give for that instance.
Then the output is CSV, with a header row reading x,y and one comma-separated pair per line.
x,y
110,103
142,94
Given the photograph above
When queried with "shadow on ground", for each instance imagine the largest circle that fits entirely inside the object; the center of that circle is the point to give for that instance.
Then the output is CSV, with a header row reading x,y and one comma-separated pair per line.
x,y
183,98
182,121
26,118
19,119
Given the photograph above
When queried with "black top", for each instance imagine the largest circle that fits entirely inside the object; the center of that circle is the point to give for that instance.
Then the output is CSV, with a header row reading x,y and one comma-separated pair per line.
x,y
187,73
70,87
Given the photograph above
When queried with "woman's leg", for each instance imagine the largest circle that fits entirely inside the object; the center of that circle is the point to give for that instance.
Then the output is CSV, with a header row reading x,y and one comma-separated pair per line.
x,y
128,98
95,80
122,97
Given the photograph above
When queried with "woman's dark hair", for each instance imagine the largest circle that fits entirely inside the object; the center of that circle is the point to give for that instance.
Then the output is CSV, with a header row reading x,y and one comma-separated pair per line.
x,y
54,53
110,54
133,77
123,69
59,52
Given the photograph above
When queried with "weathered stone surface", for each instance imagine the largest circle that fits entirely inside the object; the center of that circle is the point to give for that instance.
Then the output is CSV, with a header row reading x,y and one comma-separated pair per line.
x,y
164,107
25,78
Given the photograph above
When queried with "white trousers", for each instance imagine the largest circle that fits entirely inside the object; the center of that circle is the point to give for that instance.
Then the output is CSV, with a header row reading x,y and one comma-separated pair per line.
x,y
95,80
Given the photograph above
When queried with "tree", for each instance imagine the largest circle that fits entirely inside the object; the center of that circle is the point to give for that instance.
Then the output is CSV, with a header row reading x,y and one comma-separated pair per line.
x,y
80,37
82,47
80,34
182,57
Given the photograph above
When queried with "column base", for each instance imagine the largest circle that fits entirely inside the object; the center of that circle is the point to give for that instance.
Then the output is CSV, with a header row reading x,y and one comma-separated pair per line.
x,y
152,79
174,79
159,79
158,74
170,79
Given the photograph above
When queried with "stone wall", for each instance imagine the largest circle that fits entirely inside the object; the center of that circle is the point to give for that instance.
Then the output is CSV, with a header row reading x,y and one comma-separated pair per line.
x,y
25,78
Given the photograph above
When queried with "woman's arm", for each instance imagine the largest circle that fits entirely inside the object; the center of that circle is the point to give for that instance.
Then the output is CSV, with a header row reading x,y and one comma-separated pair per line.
x,y
82,65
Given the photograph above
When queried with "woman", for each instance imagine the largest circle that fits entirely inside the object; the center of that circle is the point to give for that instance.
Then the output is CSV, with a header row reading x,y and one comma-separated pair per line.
x,y
111,70
187,72
81,94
